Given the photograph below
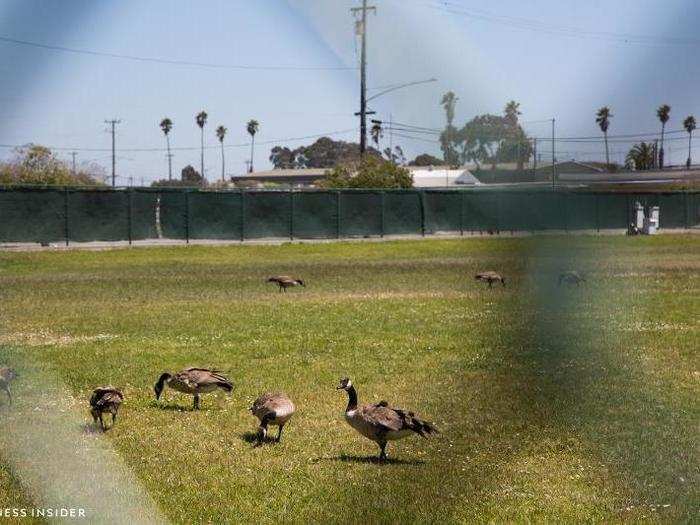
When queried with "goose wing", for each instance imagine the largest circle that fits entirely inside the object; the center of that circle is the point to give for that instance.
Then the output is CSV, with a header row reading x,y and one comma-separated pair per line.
x,y
382,416
200,377
105,396
7,374
270,402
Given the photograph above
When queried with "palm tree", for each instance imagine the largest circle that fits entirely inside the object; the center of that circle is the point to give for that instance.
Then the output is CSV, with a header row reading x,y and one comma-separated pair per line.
x,y
166,125
640,156
602,118
447,138
376,132
220,134
663,113
252,128
689,125
201,119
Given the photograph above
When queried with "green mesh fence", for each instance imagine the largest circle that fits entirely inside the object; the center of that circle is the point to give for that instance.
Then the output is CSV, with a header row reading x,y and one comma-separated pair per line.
x,y
215,215
98,215
315,215
56,215
402,213
32,216
267,214
443,211
361,213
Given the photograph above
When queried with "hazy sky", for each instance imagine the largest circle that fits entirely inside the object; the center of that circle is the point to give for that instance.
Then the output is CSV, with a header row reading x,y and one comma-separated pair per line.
x,y
560,59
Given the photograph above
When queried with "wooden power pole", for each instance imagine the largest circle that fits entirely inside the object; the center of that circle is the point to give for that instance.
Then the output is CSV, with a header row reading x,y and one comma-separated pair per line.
x,y
361,24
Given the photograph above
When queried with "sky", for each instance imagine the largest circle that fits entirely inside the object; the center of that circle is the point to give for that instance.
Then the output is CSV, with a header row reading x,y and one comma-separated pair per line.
x,y
292,65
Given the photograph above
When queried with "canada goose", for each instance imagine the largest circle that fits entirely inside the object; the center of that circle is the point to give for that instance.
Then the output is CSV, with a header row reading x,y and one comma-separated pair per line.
x,y
272,409
105,399
490,277
380,422
193,381
7,375
284,282
571,277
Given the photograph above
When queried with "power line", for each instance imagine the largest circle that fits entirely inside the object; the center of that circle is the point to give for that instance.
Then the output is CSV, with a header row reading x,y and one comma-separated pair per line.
x,y
189,148
173,62
540,27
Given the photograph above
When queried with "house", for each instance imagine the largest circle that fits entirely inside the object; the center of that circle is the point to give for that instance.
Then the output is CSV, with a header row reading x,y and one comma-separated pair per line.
x,y
423,177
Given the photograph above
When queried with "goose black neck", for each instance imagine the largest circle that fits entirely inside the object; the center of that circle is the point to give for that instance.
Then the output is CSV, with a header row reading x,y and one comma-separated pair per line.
x,y
352,399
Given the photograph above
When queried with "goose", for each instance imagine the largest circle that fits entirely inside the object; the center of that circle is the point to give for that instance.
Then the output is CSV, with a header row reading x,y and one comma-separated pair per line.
x,y
105,399
7,375
193,381
490,277
272,408
571,277
284,282
380,422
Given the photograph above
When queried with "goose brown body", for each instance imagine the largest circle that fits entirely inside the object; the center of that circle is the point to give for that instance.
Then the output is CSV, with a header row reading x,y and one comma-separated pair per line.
x,y
193,381
7,375
284,282
490,277
272,408
380,422
105,399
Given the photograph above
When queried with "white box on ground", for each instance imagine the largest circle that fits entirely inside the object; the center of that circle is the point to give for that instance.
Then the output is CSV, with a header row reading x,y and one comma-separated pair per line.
x,y
651,223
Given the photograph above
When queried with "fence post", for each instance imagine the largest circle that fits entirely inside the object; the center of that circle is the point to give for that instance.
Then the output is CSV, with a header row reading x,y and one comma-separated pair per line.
x,y
421,194
461,213
565,199
381,234
687,210
337,215
66,231
597,213
130,210
291,214
187,216
242,214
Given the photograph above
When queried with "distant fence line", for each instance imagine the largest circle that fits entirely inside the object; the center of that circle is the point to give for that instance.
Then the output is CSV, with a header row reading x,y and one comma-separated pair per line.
x,y
81,215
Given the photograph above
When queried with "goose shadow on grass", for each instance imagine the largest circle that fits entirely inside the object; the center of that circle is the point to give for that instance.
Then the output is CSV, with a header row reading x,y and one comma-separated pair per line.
x,y
347,458
252,438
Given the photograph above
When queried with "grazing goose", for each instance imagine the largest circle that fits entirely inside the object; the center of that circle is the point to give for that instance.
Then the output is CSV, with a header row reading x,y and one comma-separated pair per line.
x,y
490,277
380,422
272,409
7,375
571,277
105,399
284,282
193,381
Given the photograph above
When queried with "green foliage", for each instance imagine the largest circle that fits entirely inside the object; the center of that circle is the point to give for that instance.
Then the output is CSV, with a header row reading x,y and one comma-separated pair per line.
x,y
166,125
36,164
189,178
324,153
425,159
371,172
485,138
640,157
602,118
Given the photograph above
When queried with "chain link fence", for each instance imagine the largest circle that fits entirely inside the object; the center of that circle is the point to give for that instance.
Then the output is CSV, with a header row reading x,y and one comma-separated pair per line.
x,y
80,215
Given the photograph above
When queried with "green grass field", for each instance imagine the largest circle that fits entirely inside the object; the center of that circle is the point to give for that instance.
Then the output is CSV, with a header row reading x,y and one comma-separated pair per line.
x,y
554,404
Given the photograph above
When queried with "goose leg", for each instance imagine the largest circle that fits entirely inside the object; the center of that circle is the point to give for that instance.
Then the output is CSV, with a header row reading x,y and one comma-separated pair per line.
x,y
102,423
9,394
382,454
196,402
279,433
114,417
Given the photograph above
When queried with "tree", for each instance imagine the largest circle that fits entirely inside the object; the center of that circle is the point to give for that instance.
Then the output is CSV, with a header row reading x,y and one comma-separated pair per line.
x,y
166,125
425,159
396,155
189,177
449,135
663,112
220,134
689,124
201,119
515,147
376,132
36,164
252,128
640,157
602,118
370,172
324,153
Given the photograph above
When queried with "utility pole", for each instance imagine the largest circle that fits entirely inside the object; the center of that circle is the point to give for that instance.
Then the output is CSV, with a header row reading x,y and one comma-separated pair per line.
x,y
363,70
73,154
534,154
554,159
113,123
